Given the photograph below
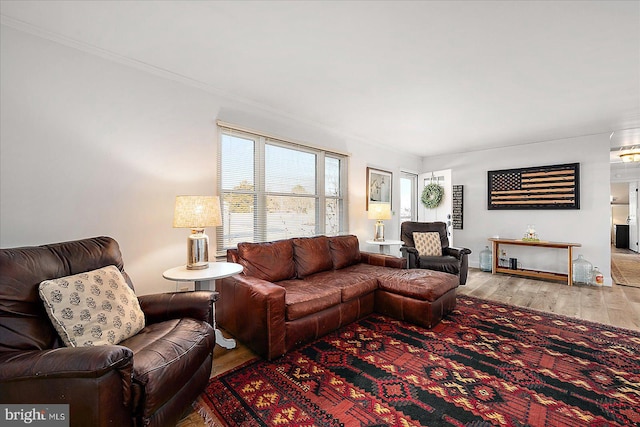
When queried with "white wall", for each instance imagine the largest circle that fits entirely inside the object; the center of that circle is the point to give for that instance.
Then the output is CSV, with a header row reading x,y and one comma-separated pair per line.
x,y
589,225
89,147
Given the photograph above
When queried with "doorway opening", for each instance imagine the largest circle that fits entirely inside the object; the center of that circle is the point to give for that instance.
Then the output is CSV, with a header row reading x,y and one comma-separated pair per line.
x,y
624,216
444,210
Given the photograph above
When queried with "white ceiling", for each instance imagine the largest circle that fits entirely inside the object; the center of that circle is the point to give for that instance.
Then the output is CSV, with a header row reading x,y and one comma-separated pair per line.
x,y
425,77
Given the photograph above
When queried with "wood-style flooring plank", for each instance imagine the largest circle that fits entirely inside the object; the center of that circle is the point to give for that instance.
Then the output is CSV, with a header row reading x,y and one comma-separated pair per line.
x,y
616,305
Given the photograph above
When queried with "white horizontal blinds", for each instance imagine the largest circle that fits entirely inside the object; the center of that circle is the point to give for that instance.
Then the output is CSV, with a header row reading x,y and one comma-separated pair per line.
x,y
290,191
238,189
333,195
273,189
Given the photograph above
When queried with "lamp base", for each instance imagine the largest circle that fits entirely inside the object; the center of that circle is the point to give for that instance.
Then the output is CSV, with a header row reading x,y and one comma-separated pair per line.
x,y
197,250
379,234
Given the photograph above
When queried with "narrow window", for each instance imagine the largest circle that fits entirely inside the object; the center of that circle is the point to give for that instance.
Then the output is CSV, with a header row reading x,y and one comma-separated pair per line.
x,y
408,197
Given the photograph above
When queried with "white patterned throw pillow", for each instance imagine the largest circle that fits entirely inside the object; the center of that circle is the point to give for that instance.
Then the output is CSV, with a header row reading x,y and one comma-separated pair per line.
x,y
428,244
92,308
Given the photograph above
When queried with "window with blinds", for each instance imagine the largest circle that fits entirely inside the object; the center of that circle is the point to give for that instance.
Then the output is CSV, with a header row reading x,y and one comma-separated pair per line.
x,y
272,189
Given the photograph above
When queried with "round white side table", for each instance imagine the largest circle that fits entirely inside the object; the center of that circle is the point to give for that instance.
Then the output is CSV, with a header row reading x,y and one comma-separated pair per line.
x,y
383,246
202,280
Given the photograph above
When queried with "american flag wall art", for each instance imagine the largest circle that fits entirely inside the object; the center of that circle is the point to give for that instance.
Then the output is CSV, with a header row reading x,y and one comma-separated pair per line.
x,y
541,187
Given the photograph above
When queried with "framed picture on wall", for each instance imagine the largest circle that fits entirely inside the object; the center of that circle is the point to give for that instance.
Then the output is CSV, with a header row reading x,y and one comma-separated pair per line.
x,y
541,187
378,186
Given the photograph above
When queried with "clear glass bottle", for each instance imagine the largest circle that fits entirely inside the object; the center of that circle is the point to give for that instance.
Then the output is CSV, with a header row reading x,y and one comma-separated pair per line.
x,y
582,271
598,277
485,259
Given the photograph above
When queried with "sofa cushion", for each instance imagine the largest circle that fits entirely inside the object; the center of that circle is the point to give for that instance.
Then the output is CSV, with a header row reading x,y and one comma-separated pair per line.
x,y
425,285
165,354
428,243
311,255
272,261
345,251
92,308
445,263
303,298
352,283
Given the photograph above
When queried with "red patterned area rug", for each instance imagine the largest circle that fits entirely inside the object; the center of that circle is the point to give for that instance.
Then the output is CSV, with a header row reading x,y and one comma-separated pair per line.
x,y
485,364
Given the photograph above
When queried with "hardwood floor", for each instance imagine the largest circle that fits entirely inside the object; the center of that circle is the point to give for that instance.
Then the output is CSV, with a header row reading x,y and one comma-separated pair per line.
x,y
617,306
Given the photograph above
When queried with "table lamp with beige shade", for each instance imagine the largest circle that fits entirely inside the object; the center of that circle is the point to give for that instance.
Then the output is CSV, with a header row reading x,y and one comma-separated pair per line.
x,y
379,212
196,213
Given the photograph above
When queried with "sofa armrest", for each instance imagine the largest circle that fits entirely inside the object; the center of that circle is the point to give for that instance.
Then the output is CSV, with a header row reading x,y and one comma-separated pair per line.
x,y
175,305
65,362
408,249
456,252
462,255
253,310
95,381
382,260
411,255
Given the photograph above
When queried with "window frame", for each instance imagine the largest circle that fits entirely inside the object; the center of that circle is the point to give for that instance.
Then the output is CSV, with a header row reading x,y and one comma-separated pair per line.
x,y
260,141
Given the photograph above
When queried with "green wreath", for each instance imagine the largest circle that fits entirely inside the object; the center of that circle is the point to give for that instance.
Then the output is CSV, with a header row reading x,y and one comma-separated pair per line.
x,y
432,195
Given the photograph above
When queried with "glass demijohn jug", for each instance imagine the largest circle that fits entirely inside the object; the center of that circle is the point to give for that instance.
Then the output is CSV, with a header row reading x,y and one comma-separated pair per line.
x,y
485,259
582,271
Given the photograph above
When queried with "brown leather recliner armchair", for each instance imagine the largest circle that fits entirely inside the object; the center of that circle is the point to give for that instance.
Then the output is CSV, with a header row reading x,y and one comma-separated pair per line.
x,y
148,379
453,260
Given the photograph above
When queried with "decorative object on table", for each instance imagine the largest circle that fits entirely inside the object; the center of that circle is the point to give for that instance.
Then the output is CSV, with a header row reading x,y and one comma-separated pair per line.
x,y
582,271
379,212
513,263
542,187
457,206
598,277
432,195
196,213
503,360
530,235
379,187
485,259
503,260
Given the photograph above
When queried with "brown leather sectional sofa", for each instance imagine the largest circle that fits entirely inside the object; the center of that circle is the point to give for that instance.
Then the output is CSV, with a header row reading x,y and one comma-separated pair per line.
x,y
296,290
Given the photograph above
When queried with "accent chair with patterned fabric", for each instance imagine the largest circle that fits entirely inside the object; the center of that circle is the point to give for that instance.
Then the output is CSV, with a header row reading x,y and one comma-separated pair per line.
x,y
426,245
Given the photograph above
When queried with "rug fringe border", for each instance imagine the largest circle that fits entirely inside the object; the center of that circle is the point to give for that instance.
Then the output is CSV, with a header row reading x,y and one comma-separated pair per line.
x,y
201,408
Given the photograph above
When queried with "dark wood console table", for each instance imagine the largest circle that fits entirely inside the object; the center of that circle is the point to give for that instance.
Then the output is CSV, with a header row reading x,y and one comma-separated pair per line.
x,y
568,278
